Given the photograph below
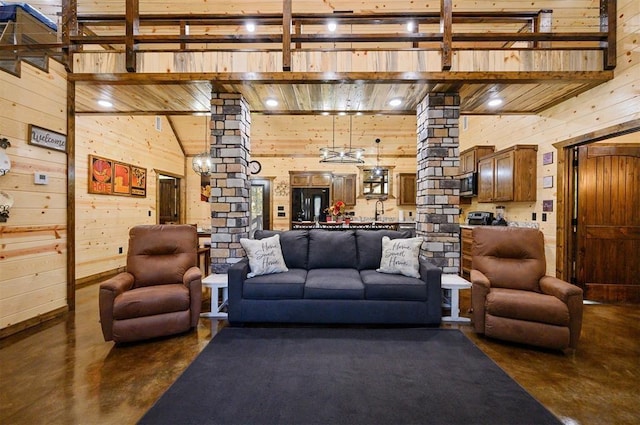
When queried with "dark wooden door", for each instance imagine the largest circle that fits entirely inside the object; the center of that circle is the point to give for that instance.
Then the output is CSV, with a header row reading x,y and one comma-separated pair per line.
x,y
260,205
169,202
608,222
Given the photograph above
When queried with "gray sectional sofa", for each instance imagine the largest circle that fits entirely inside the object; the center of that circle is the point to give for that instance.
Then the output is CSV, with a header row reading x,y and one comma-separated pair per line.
x,y
332,278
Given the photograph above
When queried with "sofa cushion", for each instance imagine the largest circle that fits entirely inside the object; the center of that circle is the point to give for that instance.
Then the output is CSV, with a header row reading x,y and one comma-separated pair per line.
x,y
294,243
369,243
287,285
265,255
527,305
151,300
332,249
401,256
334,284
383,286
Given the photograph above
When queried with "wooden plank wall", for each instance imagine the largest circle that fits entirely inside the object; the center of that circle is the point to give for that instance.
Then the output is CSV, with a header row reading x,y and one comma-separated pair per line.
x,y
614,102
33,242
103,221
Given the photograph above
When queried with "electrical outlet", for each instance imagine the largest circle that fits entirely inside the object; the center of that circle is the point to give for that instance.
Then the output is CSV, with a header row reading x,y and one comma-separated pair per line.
x,y
120,250
533,216
149,213
544,216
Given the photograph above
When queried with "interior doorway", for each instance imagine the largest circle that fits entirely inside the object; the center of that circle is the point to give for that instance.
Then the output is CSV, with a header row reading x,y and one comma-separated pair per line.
x,y
607,223
168,199
260,205
598,233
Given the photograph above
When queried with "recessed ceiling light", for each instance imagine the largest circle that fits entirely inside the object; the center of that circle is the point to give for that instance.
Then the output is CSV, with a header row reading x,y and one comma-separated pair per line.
x,y
395,102
271,102
410,26
325,113
105,103
342,113
332,26
494,102
250,26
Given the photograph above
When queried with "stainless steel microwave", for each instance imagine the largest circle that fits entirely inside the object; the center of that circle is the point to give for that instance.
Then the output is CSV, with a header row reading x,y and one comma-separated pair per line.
x,y
469,184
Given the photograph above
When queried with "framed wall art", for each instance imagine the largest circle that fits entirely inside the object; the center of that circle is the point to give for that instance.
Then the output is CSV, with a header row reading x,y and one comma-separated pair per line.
x,y
138,181
121,179
42,137
100,175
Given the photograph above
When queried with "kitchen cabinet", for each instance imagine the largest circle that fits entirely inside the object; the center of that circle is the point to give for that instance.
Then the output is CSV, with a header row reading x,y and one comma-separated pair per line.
x,y
309,179
508,175
466,243
343,188
407,189
469,158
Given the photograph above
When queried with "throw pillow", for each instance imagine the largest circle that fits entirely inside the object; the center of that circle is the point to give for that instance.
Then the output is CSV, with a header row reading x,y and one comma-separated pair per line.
x,y
265,255
400,256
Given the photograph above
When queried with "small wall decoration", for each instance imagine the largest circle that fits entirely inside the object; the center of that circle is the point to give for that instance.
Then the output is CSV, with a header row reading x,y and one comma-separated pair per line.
x,y
42,137
282,188
547,206
138,181
121,179
547,158
5,162
547,182
109,177
6,202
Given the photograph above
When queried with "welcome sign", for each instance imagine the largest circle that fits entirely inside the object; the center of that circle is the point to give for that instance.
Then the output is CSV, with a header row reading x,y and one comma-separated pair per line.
x,y
47,139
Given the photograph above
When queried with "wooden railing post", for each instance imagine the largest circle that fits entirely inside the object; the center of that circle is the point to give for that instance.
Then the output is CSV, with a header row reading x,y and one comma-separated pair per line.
x,y
132,27
608,23
446,28
286,35
69,28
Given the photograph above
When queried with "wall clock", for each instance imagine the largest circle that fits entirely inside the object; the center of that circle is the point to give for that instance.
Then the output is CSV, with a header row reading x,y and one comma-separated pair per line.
x,y
255,167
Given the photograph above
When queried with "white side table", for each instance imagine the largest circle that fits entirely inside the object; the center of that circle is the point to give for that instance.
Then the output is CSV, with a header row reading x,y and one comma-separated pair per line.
x,y
217,282
455,283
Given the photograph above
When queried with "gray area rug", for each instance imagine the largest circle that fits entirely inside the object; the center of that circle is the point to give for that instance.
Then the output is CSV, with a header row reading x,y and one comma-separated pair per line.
x,y
345,376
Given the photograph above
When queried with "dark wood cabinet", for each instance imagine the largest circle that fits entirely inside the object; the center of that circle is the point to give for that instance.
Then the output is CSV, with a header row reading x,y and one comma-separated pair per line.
x,y
309,179
508,175
343,188
407,189
469,158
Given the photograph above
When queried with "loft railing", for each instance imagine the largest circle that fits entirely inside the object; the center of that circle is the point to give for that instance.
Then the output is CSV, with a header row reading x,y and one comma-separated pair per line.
x,y
445,31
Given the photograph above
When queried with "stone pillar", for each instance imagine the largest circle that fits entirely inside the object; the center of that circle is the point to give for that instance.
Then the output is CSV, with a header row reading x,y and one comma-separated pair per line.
x,y
230,185
438,191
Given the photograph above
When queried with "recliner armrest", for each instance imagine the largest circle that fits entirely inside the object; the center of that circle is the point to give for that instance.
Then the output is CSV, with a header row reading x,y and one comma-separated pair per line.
x,y
559,288
109,290
479,291
192,279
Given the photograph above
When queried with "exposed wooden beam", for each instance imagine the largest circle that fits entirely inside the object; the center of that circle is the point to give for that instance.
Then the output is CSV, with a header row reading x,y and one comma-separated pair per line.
x,y
69,29
446,28
286,35
608,24
132,27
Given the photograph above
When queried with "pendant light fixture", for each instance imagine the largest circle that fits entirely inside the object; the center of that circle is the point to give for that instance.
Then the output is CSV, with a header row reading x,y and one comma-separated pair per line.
x,y
202,163
377,170
344,155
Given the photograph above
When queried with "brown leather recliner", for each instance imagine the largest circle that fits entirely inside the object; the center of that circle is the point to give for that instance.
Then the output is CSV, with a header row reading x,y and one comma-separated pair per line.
x,y
160,293
513,299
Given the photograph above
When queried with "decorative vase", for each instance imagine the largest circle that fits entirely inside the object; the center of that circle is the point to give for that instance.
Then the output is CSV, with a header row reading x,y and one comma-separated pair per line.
x,y
338,218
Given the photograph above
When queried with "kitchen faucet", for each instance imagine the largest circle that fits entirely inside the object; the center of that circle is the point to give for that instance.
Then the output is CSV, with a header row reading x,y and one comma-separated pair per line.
x,y
379,212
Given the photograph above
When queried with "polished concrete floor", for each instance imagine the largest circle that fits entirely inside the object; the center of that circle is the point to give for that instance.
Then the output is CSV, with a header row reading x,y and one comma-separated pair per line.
x,y
65,373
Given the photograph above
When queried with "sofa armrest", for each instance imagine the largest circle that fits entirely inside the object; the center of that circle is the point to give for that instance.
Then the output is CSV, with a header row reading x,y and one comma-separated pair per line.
x,y
571,295
237,274
432,276
109,290
192,279
480,286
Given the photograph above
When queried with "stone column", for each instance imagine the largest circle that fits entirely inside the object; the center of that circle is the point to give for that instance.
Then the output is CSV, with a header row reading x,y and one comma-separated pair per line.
x,y
230,185
438,191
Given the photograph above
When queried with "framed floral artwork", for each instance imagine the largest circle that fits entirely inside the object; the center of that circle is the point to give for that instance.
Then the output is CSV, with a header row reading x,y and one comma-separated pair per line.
x,y
138,181
100,175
